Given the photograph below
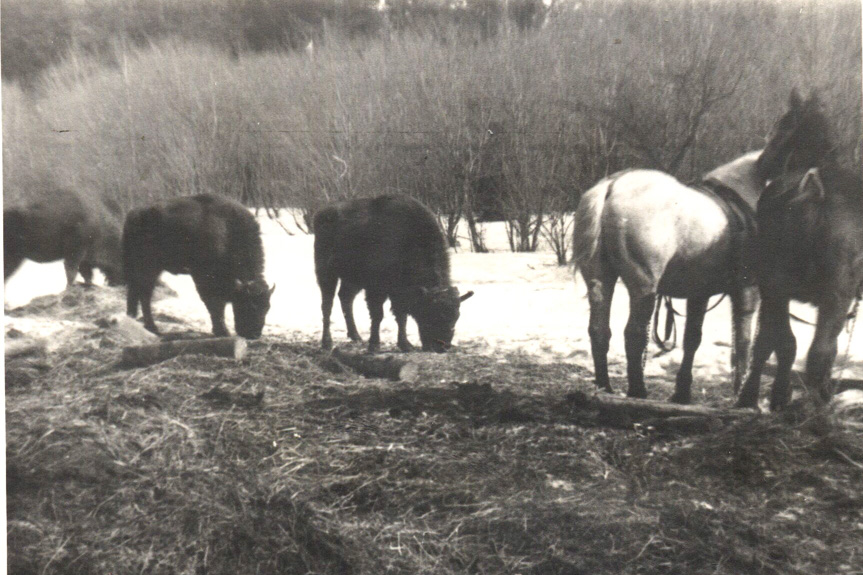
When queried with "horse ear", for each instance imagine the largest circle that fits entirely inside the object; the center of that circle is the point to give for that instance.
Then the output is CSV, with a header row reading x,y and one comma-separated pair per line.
x,y
795,102
811,187
466,296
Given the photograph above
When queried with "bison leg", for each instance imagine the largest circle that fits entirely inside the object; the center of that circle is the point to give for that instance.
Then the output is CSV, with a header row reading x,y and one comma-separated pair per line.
x,y
216,306
401,322
86,269
11,263
347,293
822,352
140,289
70,264
147,309
375,302
696,307
328,293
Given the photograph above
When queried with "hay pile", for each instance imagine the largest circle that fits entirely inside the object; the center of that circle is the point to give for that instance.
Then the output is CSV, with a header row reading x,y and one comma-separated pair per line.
x,y
287,463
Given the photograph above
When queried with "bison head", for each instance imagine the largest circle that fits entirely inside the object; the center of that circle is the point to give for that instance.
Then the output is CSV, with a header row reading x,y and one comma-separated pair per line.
x,y
251,302
436,312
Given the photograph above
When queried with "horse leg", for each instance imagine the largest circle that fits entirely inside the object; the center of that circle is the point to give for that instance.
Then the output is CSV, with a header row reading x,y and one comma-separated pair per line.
x,y
822,352
347,293
327,283
635,334
696,307
786,351
599,294
375,301
766,340
744,301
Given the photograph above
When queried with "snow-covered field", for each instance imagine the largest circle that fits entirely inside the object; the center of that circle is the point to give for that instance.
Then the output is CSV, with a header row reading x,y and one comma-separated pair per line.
x,y
523,303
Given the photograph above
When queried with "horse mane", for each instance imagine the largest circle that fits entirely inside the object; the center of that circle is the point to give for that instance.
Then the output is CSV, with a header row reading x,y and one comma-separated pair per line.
x,y
801,139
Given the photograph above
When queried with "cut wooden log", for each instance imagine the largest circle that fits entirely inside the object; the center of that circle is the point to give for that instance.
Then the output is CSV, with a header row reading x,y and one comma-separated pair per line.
x,y
625,410
388,367
130,332
143,355
22,347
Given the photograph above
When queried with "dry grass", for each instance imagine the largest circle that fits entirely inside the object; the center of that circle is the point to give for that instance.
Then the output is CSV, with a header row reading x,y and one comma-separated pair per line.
x,y
282,463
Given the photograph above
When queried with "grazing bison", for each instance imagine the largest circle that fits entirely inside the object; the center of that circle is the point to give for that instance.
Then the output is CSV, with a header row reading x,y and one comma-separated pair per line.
x,y
392,247
64,225
215,240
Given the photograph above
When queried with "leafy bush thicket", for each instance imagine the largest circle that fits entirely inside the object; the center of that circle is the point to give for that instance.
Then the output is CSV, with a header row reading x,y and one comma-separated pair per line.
x,y
514,123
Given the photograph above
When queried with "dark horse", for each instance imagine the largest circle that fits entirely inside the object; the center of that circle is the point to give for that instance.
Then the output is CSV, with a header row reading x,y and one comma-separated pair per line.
x,y
392,247
62,224
662,237
214,239
810,247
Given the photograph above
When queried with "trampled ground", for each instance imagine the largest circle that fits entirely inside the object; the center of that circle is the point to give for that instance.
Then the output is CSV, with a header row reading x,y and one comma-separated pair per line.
x,y
287,463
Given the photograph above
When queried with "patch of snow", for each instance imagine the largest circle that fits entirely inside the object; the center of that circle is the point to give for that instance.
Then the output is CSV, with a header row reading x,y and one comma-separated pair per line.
x,y
524,302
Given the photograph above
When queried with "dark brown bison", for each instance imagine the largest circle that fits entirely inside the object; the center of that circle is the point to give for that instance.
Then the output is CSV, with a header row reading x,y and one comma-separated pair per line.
x,y
392,247
214,239
61,224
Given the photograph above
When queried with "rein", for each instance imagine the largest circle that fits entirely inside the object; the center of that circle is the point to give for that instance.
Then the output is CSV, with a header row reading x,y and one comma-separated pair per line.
x,y
852,315
670,323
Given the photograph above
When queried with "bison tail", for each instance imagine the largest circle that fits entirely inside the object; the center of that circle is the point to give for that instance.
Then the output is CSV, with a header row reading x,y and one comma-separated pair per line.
x,y
588,223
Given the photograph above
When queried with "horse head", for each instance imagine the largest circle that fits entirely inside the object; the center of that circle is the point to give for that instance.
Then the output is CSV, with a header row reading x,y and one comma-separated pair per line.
x,y
799,140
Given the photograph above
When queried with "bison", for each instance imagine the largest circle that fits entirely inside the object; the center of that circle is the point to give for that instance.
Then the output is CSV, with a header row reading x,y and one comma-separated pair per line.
x,y
214,239
391,247
62,224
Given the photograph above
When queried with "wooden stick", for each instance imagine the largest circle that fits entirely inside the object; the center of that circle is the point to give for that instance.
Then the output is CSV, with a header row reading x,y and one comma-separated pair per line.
x,y
143,355
388,367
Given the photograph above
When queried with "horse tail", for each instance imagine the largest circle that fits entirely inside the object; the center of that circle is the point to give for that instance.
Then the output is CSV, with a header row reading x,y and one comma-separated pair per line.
x,y
588,223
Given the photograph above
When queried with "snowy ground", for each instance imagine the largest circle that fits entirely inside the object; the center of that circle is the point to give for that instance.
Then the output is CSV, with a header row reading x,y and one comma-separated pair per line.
x,y
523,303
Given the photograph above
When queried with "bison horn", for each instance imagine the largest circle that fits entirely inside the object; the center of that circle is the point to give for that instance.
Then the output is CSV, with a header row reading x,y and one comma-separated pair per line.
x,y
238,284
272,289
466,296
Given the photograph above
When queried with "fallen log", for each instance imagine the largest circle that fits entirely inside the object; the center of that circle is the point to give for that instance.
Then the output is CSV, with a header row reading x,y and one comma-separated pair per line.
x,y
128,330
22,347
143,355
624,411
387,367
